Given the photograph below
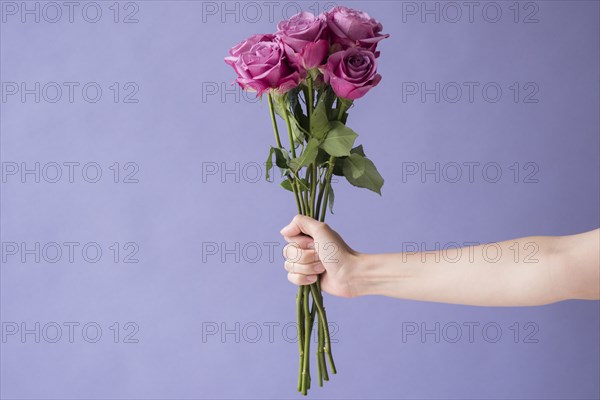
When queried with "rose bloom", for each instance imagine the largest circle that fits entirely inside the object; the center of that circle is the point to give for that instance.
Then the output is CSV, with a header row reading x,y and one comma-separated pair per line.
x,y
304,34
352,72
354,28
261,64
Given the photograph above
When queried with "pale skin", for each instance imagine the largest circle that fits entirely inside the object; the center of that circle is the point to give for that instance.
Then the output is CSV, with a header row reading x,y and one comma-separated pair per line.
x,y
529,271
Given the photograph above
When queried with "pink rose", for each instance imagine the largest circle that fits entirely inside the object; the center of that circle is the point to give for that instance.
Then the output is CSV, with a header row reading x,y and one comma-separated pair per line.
x,y
304,34
245,45
354,28
352,72
261,64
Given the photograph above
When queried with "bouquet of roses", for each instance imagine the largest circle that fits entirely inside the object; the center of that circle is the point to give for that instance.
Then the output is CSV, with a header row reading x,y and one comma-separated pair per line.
x,y
312,69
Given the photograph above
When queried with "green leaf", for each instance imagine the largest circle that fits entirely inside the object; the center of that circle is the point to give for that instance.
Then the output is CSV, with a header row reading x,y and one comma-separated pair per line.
x,y
279,104
354,166
322,157
358,150
339,140
370,178
347,104
319,123
300,117
282,157
269,164
308,155
298,131
288,104
330,199
338,166
303,183
286,184
299,120
329,99
292,97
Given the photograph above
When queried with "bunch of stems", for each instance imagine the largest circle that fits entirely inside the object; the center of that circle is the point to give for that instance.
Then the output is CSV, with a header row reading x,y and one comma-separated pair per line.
x,y
311,200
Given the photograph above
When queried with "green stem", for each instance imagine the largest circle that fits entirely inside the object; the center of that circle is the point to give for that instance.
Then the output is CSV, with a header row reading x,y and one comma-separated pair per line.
x,y
313,189
327,186
320,351
295,191
274,120
310,101
321,190
307,331
318,299
320,198
288,123
278,140
309,178
342,108
322,339
300,319
307,210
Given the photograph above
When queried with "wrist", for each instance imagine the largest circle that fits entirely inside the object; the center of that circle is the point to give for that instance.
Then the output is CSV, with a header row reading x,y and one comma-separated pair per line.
x,y
368,275
356,274
393,274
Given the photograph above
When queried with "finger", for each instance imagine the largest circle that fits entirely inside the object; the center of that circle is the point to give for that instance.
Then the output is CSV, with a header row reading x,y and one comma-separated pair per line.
x,y
295,254
297,279
304,269
302,241
302,224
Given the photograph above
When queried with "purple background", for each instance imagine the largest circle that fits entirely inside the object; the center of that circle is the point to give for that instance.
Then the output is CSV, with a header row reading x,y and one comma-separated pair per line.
x,y
172,294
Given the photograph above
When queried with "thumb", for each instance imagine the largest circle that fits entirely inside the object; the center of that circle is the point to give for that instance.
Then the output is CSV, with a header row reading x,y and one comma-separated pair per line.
x,y
302,224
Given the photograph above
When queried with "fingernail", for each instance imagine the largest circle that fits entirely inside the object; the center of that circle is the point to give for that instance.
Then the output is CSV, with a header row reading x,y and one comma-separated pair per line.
x,y
319,268
283,230
311,278
311,245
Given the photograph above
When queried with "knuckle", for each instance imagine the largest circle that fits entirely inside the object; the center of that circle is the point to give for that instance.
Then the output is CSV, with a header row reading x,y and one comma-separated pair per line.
x,y
308,257
321,227
317,268
290,267
292,278
291,251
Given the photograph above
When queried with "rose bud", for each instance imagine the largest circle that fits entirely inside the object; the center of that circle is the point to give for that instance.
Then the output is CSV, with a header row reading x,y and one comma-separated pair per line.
x,y
352,72
354,28
262,64
304,35
245,45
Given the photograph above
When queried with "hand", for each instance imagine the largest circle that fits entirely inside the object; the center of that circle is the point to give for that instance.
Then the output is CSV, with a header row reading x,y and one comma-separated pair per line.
x,y
314,248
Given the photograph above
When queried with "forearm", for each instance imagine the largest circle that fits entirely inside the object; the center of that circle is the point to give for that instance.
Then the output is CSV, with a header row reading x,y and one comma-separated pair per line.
x,y
521,272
